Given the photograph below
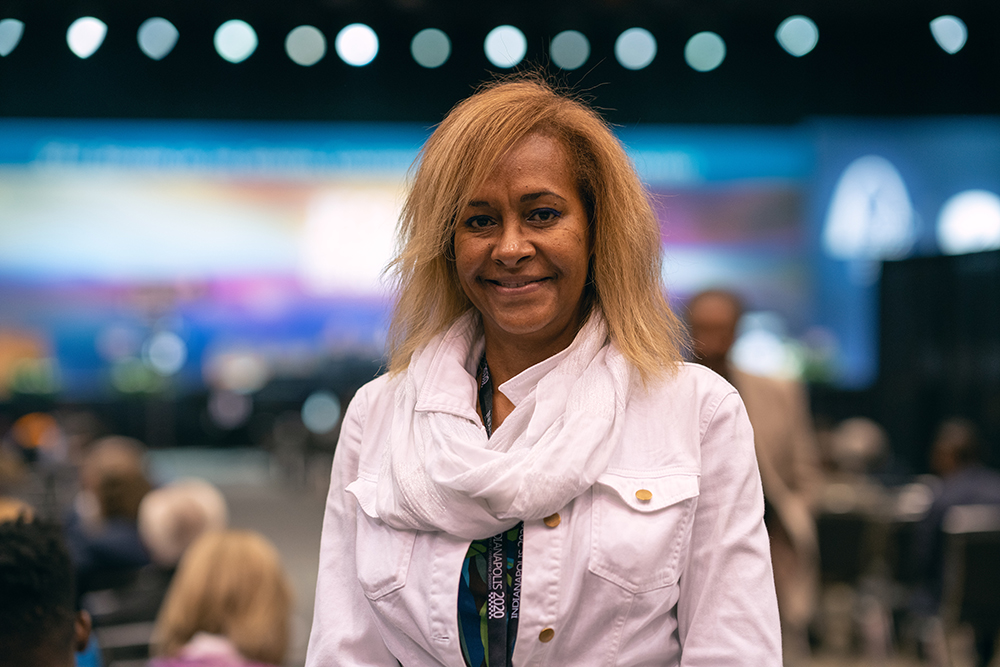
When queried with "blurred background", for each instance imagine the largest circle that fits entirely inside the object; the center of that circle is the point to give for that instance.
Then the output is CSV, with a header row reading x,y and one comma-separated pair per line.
x,y
197,202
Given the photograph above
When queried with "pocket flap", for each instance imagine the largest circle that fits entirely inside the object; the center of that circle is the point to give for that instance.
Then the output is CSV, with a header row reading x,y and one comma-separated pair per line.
x,y
364,490
651,492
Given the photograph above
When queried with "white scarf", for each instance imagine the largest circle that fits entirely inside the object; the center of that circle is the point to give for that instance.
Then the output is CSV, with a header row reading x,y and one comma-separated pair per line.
x,y
440,472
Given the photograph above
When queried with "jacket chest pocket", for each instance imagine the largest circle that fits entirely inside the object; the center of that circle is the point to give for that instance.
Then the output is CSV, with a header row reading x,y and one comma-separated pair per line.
x,y
641,527
382,555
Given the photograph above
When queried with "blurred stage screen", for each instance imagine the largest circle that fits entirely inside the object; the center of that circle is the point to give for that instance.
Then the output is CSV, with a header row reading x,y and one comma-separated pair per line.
x,y
193,256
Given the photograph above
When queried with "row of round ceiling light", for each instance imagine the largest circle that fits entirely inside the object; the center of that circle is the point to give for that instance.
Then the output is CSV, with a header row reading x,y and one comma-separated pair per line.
x,y
505,46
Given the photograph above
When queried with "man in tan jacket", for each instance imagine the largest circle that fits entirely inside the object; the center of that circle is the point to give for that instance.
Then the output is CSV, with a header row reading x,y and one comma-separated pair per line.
x,y
788,459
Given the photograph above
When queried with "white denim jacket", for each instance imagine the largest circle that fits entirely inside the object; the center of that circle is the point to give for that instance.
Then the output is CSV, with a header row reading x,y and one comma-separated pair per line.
x,y
683,578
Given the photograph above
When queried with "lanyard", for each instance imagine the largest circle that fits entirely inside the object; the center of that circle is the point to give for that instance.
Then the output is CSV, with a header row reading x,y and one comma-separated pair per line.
x,y
504,600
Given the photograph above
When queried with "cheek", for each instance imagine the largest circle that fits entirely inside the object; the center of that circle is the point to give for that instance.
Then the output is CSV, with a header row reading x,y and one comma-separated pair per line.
x,y
467,259
576,254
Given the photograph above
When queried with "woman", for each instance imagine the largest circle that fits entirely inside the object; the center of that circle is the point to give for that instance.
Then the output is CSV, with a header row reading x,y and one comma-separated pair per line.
x,y
539,480
229,605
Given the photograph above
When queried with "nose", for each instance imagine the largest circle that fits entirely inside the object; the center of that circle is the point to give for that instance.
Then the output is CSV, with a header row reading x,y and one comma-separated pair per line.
x,y
513,246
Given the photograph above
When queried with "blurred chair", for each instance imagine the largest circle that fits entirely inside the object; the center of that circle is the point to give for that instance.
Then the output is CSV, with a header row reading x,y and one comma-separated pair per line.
x,y
902,578
972,573
845,546
854,531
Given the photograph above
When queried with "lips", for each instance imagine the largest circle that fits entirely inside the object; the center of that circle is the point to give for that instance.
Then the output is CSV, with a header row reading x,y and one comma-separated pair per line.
x,y
512,284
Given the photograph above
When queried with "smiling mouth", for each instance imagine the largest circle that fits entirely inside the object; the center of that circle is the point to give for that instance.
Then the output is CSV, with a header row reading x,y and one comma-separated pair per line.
x,y
514,284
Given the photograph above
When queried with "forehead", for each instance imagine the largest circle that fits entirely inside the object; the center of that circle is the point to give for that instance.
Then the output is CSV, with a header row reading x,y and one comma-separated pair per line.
x,y
535,157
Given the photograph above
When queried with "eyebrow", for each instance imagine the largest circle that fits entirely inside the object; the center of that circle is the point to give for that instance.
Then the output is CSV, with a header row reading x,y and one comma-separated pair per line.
x,y
531,196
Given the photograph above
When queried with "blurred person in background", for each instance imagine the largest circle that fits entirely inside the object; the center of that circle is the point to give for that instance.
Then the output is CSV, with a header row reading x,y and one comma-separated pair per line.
x,y
229,605
101,529
540,479
856,448
39,623
174,515
957,458
788,458
170,519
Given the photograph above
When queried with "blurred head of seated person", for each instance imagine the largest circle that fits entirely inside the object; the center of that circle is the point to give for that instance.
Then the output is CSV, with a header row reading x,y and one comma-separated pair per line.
x,y
39,624
170,519
957,455
712,319
113,479
537,403
173,516
229,605
956,447
101,530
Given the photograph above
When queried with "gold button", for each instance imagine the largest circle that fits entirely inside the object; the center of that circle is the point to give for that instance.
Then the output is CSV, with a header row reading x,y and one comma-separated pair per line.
x,y
644,495
552,520
546,635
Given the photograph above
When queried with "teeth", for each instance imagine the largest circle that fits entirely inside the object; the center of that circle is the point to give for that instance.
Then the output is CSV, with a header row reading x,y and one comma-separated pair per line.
x,y
511,285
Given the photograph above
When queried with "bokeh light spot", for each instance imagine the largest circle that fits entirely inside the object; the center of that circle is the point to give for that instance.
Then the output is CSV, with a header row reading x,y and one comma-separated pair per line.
x,y
305,45
356,44
798,35
635,48
949,32
505,46
969,222
235,41
165,353
131,376
229,410
570,49
430,48
239,371
705,51
85,36
11,31
321,412
157,37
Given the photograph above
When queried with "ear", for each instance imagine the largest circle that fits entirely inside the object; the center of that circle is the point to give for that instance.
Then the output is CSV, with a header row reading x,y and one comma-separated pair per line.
x,y
81,631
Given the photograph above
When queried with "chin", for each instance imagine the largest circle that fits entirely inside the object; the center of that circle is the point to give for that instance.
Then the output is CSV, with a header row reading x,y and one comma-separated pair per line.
x,y
519,329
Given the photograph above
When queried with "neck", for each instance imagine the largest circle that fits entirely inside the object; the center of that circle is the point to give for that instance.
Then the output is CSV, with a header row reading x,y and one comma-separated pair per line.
x,y
508,358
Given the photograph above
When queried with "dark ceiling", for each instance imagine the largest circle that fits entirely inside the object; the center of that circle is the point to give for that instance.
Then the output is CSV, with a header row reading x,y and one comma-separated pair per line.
x,y
874,58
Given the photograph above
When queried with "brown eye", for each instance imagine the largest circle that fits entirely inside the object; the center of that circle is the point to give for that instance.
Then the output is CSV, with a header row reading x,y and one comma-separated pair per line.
x,y
478,222
544,215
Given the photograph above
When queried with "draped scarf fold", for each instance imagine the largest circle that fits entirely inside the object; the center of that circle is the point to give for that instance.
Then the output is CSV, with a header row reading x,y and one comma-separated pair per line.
x,y
440,472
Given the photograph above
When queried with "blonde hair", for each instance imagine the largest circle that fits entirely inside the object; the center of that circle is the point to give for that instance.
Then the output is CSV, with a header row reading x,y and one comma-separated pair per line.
x,y
624,276
229,583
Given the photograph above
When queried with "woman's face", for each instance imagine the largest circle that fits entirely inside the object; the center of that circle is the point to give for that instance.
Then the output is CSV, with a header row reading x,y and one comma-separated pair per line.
x,y
522,247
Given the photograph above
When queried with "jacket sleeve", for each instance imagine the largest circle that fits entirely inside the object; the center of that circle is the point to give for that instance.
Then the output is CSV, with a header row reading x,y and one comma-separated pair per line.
x,y
343,630
727,612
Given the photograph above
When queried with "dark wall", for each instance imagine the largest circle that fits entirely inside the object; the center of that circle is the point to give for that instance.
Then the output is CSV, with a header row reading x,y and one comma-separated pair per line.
x,y
939,351
873,58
